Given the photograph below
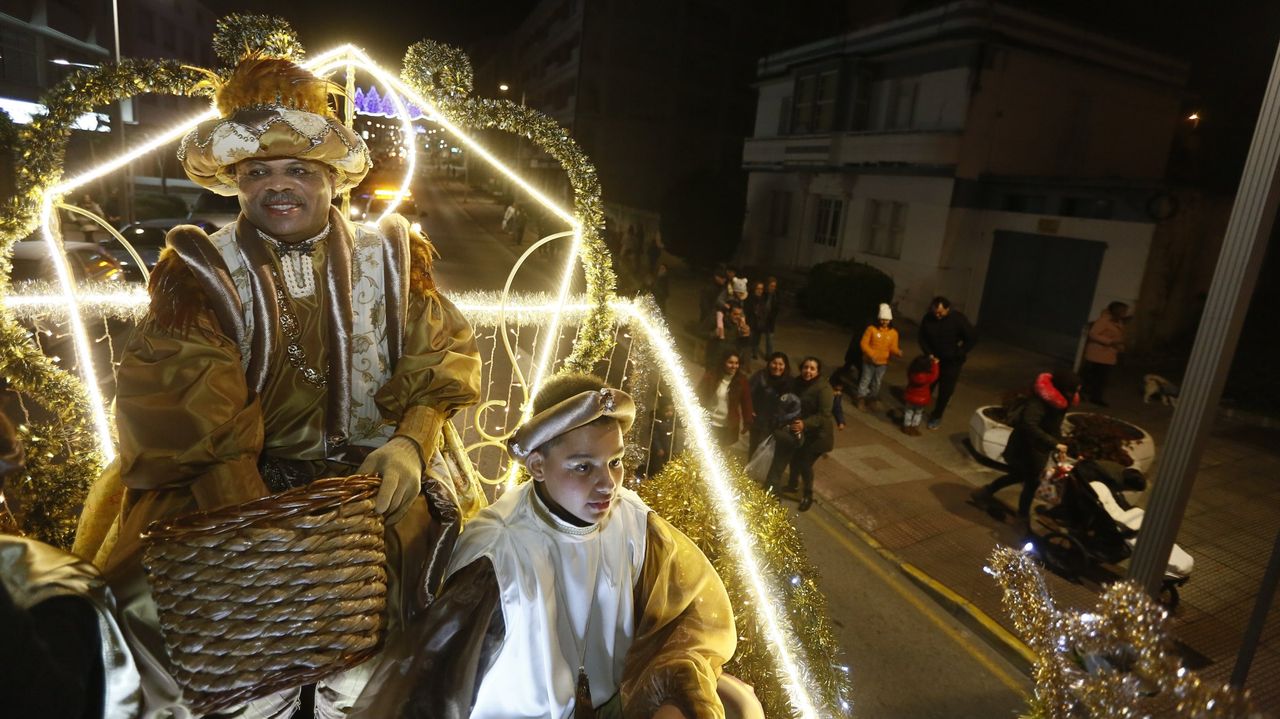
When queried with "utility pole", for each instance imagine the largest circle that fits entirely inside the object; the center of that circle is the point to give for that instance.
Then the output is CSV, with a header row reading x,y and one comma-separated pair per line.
x,y
1234,278
126,196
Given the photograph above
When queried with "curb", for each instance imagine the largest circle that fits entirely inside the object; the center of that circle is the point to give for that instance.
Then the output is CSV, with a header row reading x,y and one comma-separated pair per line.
x,y
1002,640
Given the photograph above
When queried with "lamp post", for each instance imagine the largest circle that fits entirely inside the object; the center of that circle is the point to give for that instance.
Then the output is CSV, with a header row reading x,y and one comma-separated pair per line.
x,y
504,88
126,197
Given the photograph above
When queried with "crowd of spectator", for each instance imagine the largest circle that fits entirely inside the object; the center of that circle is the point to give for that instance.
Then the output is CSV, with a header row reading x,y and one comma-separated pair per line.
x,y
780,417
791,414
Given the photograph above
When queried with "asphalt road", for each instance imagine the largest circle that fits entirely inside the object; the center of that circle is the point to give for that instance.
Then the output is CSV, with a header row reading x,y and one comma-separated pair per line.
x,y
908,656
475,254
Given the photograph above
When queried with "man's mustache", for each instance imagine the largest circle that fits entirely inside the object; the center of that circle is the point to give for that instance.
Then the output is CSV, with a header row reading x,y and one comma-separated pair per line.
x,y
274,198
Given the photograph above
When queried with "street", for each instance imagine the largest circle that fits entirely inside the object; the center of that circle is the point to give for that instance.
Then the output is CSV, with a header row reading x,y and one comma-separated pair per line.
x,y
908,656
475,254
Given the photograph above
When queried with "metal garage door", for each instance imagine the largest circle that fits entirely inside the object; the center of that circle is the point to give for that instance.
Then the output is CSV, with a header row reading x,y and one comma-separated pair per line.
x,y
1039,291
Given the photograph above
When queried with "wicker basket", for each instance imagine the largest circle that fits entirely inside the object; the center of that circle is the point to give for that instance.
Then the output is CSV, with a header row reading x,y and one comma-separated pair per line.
x,y
271,594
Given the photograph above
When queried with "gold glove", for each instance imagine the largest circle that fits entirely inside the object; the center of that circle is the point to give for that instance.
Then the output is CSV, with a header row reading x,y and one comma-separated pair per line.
x,y
399,464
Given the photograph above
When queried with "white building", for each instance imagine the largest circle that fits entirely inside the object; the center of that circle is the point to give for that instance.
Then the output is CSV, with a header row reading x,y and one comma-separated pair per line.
x,y
1010,162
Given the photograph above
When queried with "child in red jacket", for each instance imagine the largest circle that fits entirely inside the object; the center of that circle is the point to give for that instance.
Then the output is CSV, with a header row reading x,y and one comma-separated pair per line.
x,y
921,374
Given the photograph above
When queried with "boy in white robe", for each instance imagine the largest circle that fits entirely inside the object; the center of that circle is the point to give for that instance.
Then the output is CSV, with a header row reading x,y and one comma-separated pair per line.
x,y
569,587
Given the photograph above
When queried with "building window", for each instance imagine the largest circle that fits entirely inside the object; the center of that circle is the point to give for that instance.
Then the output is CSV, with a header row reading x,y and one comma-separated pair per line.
x,y
18,58
885,227
860,102
784,117
1091,207
813,106
826,230
902,103
779,213
1022,202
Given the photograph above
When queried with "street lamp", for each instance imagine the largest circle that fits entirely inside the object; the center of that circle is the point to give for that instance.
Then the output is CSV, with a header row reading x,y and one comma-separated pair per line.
x,y
503,87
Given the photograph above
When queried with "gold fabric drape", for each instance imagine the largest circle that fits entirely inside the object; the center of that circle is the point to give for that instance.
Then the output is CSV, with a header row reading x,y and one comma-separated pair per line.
x,y
684,630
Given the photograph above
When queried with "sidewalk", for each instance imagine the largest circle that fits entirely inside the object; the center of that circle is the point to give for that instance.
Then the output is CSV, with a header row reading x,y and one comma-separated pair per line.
x,y
908,494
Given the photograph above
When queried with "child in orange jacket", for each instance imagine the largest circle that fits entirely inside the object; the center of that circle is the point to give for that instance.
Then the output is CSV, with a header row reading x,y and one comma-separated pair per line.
x,y
879,344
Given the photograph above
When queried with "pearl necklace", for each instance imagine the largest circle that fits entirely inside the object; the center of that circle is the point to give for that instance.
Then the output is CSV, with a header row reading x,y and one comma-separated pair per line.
x,y
295,260
299,282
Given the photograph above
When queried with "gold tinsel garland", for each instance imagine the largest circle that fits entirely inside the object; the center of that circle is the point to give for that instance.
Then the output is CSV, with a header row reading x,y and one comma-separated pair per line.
x,y
638,380
443,74
237,35
1116,661
681,494
62,454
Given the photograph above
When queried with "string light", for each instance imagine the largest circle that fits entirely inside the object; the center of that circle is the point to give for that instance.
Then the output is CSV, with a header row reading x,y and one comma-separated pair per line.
x,y
781,639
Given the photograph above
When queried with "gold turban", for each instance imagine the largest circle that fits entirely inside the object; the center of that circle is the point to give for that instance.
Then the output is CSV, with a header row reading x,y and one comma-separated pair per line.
x,y
577,411
271,108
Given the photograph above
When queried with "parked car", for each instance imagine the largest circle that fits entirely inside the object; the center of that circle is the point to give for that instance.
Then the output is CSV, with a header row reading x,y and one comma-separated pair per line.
x,y
147,238
89,262
368,207
215,209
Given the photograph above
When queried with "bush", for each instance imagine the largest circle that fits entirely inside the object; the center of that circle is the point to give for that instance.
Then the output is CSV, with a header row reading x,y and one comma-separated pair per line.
x,y
845,292
150,206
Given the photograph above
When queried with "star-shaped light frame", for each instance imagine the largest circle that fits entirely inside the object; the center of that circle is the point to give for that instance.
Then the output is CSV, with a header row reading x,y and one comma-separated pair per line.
x,y
796,678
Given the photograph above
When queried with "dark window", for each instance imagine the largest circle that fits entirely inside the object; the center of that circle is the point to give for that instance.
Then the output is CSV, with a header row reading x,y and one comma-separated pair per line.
x,y
885,226
902,103
826,230
784,117
17,57
779,213
1020,202
813,106
860,102
1091,207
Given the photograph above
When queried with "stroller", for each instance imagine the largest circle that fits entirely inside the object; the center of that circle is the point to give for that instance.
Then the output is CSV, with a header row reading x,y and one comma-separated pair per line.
x,y
1093,524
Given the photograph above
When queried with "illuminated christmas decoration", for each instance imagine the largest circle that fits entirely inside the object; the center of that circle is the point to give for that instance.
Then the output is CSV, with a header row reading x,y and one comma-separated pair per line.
x,y
1115,661
371,103
437,80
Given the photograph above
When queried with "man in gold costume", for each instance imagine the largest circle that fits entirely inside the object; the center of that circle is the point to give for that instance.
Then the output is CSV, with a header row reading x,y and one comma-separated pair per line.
x,y
288,346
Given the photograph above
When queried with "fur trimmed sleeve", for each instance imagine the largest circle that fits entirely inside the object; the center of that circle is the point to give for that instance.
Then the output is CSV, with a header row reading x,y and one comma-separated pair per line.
x,y
178,301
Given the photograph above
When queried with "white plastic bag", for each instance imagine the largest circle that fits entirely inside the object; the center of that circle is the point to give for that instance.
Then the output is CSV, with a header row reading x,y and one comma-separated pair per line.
x,y
758,465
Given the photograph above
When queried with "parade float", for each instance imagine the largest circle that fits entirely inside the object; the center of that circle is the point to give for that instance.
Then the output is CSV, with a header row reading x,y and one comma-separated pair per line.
x,y
786,649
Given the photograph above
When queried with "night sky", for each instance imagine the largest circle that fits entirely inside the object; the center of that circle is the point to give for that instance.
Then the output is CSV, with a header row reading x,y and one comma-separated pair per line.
x,y
384,28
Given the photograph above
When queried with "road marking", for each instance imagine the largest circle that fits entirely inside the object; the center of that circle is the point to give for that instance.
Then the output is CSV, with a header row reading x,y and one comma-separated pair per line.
x,y
1016,683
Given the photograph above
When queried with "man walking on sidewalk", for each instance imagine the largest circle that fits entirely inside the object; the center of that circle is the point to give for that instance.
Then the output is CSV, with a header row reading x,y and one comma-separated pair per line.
x,y
947,335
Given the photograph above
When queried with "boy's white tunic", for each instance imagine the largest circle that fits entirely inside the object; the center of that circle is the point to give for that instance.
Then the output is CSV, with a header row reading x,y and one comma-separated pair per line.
x,y
504,637
543,566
